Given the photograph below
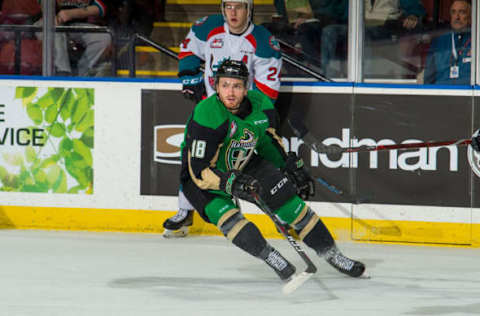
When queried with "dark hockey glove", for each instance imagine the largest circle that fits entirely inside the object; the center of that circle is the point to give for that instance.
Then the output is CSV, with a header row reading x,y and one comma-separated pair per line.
x,y
241,185
193,87
296,171
476,143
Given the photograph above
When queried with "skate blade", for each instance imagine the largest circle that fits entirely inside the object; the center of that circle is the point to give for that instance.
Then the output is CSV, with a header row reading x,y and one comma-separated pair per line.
x,y
365,275
296,281
179,233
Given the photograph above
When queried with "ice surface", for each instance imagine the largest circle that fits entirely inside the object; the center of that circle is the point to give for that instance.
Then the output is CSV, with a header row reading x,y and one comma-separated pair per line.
x,y
85,273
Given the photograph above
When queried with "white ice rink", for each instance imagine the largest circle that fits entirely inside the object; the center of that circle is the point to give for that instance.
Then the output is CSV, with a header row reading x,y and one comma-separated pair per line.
x,y
85,273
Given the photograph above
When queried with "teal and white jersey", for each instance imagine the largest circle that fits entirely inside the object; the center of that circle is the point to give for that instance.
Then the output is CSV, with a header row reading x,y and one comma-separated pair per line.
x,y
210,41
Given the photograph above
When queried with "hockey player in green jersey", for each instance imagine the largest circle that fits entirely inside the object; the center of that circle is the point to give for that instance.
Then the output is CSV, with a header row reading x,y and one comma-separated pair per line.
x,y
231,149
211,39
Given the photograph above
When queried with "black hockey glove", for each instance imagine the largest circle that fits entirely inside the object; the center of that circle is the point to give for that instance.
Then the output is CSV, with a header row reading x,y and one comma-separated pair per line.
x,y
193,87
476,143
241,185
298,174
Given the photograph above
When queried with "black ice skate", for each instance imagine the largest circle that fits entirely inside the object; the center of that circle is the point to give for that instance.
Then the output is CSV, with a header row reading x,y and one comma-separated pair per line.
x,y
286,271
343,264
177,225
280,265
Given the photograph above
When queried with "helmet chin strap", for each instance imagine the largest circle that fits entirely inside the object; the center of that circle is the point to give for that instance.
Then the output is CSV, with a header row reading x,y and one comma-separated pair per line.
x,y
242,31
245,28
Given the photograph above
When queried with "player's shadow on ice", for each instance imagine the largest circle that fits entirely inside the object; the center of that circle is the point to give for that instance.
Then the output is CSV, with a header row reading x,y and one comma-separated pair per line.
x,y
446,310
197,288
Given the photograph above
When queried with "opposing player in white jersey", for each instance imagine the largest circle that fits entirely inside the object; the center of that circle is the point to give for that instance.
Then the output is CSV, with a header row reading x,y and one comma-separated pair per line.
x,y
211,40
230,35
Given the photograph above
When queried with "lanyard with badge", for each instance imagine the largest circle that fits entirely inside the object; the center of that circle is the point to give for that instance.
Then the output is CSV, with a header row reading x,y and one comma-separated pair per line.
x,y
454,68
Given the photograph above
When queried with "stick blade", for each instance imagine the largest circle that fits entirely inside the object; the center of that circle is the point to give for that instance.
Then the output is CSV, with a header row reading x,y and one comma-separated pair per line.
x,y
295,121
296,281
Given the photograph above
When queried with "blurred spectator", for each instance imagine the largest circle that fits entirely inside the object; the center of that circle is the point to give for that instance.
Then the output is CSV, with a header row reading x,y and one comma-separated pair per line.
x,y
386,27
308,19
133,16
159,8
438,13
449,57
280,8
279,26
128,17
334,36
30,9
310,24
384,20
20,12
79,13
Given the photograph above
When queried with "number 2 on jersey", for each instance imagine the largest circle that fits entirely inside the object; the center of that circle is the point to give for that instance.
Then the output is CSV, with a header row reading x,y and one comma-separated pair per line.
x,y
273,73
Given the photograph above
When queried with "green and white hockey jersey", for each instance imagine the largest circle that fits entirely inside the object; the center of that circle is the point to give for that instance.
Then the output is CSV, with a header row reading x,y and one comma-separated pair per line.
x,y
217,141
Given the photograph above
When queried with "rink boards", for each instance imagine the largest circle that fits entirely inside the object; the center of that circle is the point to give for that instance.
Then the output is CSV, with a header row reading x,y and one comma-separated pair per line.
x,y
90,155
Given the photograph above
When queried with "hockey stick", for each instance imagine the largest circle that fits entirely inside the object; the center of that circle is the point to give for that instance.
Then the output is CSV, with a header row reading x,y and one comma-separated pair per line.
x,y
298,279
456,142
332,188
301,131
289,59
297,63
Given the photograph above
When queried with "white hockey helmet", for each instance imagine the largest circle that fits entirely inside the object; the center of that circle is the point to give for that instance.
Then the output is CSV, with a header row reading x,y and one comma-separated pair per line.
x,y
249,4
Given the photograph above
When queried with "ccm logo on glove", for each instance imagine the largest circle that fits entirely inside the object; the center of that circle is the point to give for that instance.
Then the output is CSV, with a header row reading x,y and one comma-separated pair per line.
x,y
192,80
278,186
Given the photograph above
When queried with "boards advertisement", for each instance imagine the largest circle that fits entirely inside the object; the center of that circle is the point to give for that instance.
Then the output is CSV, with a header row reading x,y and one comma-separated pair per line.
x,y
164,114
47,139
439,176
74,157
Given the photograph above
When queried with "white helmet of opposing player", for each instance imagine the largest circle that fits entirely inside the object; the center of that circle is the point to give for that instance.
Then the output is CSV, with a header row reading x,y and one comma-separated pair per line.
x,y
249,4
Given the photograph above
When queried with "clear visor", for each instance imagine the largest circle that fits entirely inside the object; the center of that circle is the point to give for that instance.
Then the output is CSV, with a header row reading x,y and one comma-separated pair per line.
x,y
247,2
